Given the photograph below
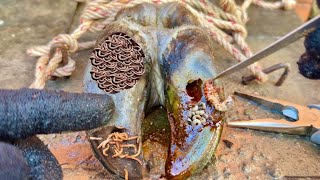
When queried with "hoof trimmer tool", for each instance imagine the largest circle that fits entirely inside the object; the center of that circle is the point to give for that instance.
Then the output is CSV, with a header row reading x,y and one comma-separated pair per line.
x,y
297,119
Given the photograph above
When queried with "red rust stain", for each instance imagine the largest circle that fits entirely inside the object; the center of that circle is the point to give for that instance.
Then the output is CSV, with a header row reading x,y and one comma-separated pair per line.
x,y
184,136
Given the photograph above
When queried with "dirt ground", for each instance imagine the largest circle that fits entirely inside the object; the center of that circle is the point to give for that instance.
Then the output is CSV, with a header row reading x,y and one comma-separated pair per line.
x,y
252,154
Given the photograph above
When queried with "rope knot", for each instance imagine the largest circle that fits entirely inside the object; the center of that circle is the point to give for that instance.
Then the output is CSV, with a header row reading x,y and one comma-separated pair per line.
x,y
288,4
242,14
228,6
256,69
71,44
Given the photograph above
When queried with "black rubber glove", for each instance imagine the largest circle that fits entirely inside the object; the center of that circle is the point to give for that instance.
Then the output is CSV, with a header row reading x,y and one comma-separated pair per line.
x,y
27,112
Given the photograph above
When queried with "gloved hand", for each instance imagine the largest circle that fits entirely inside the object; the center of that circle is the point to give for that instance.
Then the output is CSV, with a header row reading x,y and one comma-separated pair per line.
x,y
26,112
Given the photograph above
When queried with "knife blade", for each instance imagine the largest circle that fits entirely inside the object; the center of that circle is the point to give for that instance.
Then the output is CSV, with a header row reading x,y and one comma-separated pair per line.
x,y
289,38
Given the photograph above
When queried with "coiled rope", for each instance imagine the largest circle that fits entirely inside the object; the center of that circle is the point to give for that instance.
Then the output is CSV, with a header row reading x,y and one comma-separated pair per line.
x,y
98,13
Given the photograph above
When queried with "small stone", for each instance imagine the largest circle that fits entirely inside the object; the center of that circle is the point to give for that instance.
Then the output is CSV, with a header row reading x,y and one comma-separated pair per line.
x,y
256,158
197,113
241,152
1,22
273,172
193,113
206,116
224,159
228,143
247,112
226,172
246,169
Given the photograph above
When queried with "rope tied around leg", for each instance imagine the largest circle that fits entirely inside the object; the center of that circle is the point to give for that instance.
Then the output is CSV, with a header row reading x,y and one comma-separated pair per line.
x,y
51,55
58,49
225,25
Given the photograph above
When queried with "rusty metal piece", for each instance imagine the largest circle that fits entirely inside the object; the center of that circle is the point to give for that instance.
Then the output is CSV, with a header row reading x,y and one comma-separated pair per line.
x,y
247,79
117,63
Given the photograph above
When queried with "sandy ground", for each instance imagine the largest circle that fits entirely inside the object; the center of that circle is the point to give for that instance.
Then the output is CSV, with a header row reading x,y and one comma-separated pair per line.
x,y
250,155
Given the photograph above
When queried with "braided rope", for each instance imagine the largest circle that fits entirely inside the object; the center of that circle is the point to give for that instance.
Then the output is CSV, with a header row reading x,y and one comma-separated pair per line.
x,y
46,67
285,4
98,13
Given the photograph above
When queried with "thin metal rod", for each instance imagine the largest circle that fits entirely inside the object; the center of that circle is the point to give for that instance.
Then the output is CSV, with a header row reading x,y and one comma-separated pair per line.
x,y
291,37
247,79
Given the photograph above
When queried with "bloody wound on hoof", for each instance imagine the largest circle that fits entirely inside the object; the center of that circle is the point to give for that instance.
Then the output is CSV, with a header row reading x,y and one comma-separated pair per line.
x,y
117,63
